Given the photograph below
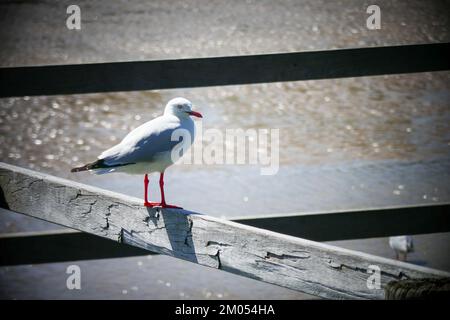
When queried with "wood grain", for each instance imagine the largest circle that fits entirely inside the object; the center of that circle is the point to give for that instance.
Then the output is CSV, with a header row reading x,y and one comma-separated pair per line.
x,y
294,263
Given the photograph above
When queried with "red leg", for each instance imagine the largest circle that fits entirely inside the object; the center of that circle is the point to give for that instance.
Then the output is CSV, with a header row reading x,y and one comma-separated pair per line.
x,y
163,203
161,188
146,188
146,203
163,199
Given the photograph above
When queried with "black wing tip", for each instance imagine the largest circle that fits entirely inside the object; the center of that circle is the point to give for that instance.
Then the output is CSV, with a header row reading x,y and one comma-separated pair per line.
x,y
98,164
78,169
93,165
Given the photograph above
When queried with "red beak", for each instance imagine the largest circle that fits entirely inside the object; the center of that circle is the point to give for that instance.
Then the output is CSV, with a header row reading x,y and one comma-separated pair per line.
x,y
195,114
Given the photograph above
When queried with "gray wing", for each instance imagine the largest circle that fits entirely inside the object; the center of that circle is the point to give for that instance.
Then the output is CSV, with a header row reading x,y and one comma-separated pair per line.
x,y
143,143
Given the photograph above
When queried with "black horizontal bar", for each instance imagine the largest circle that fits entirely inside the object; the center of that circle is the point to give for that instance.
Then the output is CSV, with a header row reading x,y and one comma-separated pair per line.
x,y
218,71
360,224
60,246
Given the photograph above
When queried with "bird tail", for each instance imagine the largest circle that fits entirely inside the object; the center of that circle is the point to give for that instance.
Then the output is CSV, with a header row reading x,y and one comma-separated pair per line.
x,y
98,164
90,166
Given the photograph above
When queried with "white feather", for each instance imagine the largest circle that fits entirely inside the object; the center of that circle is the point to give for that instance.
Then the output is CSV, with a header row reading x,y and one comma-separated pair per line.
x,y
148,147
402,244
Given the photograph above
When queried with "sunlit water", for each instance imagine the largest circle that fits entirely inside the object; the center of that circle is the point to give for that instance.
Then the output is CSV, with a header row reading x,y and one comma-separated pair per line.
x,y
344,143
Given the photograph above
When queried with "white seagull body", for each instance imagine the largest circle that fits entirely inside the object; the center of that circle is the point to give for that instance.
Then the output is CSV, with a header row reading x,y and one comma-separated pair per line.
x,y
148,148
402,245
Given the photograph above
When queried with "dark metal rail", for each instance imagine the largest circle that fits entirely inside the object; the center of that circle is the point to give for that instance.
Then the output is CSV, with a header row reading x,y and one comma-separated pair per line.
x,y
60,246
358,224
219,71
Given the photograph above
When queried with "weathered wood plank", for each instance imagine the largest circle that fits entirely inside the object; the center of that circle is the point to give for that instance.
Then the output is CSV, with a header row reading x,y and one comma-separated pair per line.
x,y
357,224
218,71
60,246
294,263
69,245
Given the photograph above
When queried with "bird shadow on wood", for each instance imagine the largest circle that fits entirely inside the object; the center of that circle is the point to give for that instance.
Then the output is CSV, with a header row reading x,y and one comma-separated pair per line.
x,y
178,225
3,203
418,262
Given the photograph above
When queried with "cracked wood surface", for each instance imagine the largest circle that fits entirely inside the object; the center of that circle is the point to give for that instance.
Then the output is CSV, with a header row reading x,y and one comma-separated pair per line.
x,y
295,263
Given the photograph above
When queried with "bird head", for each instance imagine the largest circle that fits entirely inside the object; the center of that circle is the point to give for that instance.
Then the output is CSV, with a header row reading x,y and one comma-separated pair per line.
x,y
181,108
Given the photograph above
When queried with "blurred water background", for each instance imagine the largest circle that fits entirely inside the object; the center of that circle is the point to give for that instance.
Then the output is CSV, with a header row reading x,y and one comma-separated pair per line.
x,y
344,143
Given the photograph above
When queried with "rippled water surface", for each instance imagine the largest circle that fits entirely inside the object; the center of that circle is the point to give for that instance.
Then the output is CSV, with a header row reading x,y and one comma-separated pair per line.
x,y
328,121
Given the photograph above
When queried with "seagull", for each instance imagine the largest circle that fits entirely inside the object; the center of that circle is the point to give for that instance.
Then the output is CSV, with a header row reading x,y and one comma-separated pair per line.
x,y
402,245
148,148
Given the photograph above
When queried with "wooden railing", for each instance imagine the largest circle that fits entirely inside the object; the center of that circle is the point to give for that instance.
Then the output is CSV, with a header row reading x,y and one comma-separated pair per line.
x,y
295,263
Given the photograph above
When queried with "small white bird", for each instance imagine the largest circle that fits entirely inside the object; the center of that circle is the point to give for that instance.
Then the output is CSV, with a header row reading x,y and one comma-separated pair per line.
x,y
148,148
402,245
